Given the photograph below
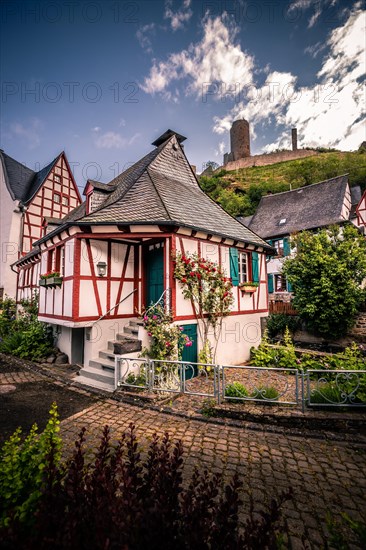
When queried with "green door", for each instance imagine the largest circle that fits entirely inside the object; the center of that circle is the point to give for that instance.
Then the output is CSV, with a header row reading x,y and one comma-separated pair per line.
x,y
154,275
190,352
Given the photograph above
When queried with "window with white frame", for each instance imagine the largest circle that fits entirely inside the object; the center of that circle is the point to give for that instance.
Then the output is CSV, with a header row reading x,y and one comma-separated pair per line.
x,y
243,267
279,283
278,245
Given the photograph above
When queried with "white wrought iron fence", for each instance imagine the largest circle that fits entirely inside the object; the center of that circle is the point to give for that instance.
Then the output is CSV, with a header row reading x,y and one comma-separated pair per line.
x,y
229,383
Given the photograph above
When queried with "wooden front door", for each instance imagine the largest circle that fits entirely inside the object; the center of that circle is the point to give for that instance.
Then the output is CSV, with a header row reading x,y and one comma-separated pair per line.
x,y
154,259
190,353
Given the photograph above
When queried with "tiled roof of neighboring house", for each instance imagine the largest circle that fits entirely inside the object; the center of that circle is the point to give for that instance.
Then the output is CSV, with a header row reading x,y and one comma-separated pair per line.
x,y
245,220
162,189
356,195
309,207
75,214
22,182
105,187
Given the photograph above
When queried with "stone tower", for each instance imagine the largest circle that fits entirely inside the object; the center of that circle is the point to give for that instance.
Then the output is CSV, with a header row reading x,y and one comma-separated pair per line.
x,y
294,139
240,139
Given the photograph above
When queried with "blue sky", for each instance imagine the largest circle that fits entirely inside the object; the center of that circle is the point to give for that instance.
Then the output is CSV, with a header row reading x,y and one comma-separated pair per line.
x,y
102,79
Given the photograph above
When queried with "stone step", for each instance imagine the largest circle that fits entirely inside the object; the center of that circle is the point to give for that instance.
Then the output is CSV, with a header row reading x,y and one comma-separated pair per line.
x,y
98,373
108,354
125,336
127,345
131,331
89,382
136,323
103,364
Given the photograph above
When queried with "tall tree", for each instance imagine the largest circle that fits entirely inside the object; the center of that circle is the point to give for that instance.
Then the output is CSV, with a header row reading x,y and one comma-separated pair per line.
x,y
327,274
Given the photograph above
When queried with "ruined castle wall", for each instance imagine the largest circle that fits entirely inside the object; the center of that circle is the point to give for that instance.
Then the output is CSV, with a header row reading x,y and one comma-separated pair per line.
x,y
271,158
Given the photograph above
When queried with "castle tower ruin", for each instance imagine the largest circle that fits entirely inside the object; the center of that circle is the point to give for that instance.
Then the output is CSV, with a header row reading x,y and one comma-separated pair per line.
x,y
294,139
240,139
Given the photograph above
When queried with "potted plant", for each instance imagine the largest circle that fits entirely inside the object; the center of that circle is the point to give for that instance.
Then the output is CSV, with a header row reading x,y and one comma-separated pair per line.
x,y
51,279
248,287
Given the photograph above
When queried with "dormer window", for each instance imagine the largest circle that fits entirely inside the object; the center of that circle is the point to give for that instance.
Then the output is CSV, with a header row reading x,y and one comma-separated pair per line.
x,y
282,221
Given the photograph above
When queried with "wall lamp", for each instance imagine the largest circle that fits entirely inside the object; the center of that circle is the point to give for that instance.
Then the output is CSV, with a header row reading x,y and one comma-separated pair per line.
x,y
102,269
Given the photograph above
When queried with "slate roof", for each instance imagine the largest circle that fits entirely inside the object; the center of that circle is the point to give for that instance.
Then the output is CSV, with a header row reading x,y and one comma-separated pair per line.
x,y
105,187
162,189
316,205
22,182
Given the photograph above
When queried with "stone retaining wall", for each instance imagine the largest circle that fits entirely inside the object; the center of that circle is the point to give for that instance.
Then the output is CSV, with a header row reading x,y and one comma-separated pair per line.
x,y
271,158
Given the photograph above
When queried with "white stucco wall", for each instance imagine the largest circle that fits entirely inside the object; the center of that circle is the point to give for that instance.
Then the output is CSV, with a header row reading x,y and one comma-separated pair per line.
x,y
10,224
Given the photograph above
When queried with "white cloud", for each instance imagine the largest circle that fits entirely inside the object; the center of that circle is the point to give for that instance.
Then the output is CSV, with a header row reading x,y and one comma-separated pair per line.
x,y
30,133
144,38
328,113
298,7
96,129
180,17
215,65
112,140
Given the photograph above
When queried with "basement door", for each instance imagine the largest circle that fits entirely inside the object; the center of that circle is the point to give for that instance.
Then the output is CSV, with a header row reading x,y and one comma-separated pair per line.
x,y
154,262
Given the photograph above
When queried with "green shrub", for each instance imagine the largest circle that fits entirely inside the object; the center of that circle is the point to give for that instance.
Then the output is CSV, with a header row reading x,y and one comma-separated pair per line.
x,y
123,499
328,393
280,356
21,470
236,389
24,336
265,393
277,323
136,379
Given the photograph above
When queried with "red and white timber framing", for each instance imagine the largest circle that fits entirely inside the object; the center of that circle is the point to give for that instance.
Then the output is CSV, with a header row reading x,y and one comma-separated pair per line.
x,y
57,196
361,211
84,296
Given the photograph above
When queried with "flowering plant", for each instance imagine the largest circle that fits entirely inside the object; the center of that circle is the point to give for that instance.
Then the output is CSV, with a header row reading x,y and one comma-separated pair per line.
x,y
167,340
205,284
50,274
249,283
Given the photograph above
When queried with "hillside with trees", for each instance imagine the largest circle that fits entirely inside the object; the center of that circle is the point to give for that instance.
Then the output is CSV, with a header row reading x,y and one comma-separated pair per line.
x,y
240,191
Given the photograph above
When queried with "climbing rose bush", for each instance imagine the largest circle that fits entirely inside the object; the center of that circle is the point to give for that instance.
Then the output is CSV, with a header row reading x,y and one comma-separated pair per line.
x,y
167,340
206,285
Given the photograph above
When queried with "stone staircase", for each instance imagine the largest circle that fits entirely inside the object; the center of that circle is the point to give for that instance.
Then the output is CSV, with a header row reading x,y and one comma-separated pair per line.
x,y
100,372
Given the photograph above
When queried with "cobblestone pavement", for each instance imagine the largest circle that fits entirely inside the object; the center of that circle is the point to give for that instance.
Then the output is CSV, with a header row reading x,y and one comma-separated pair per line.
x,y
326,476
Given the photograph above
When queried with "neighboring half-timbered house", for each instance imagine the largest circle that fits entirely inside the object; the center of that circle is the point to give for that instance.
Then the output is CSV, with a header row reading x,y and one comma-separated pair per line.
x,y
115,255
27,198
312,207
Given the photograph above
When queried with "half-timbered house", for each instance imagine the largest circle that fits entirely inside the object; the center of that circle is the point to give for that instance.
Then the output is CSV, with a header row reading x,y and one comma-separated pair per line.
x,y
26,199
115,255
313,207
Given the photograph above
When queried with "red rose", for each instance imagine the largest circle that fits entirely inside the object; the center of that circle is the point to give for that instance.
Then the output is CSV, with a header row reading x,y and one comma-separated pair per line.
x,y
184,280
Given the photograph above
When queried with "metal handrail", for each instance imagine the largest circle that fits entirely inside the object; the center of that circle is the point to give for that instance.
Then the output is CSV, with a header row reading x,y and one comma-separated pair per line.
x,y
156,303
114,307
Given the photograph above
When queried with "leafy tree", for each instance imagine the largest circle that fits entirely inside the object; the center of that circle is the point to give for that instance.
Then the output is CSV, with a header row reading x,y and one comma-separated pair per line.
x,y
327,275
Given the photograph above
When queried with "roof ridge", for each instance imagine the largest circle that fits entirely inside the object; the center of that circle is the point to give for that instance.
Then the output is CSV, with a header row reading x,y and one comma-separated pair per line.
x,y
156,152
158,193
305,186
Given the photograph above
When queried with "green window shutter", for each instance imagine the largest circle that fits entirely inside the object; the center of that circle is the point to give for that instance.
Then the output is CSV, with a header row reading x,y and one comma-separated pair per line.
x,y
286,246
270,282
289,286
234,266
255,267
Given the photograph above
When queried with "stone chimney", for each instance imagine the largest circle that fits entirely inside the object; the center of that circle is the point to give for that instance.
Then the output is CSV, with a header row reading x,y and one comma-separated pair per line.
x,y
294,139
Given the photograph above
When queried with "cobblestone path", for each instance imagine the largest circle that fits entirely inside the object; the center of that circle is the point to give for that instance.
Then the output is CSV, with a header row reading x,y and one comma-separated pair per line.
x,y
326,476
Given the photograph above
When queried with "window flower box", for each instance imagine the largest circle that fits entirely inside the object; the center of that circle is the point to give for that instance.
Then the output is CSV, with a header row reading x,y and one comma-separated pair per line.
x,y
249,287
50,280
53,282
